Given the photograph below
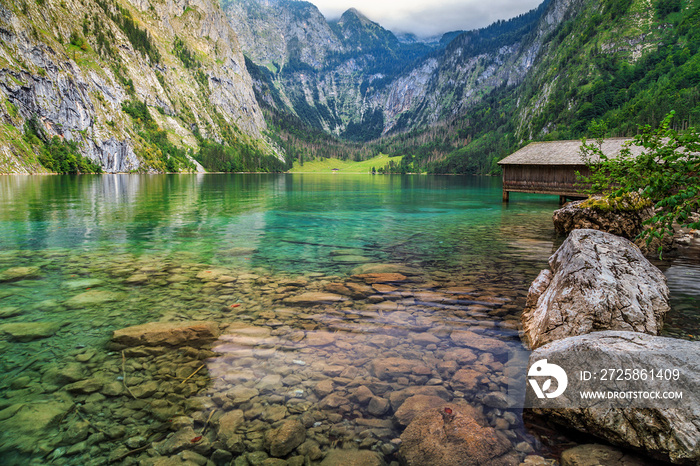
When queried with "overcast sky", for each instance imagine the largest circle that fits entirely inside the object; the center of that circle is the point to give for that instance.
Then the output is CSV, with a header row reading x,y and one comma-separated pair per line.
x,y
429,18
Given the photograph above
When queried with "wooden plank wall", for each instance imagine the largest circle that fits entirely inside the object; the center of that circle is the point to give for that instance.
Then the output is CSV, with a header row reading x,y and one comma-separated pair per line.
x,y
545,179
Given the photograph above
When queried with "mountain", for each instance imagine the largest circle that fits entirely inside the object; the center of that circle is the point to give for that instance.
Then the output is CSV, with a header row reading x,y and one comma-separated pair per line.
x,y
626,62
323,72
250,85
130,87
354,79
459,107
608,67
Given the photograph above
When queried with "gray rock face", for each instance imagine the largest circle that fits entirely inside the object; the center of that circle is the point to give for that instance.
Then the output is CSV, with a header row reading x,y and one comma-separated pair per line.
x,y
597,281
113,156
265,28
61,100
624,220
667,429
440,84
77,93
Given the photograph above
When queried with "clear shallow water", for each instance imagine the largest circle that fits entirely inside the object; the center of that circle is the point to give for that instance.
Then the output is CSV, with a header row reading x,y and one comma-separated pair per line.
x,y
119,250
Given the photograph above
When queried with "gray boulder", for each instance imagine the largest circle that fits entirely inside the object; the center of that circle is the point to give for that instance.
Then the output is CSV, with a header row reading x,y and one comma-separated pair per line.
x,y
597,282
668,429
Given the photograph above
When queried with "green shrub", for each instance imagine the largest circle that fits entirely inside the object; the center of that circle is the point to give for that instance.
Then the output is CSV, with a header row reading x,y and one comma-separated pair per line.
x,y
665,174
12,109
55,154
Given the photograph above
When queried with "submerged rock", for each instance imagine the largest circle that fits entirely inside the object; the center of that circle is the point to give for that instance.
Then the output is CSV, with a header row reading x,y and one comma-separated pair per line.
x,y
593,455
28,331
285,438
86,386
82,283
22,425
385,368
384,268
191,333
372,278
415,405
312,298
597,281
10,311
320,338
483,343
19,273
229,423
350,259
664,428
459,437
352,458
92,298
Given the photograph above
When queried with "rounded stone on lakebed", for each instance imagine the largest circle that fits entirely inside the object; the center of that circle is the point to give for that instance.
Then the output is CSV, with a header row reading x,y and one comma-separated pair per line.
x,y
458,437
10,311
92,298
167,334
19,273
312,298
352,458
593,454
28,331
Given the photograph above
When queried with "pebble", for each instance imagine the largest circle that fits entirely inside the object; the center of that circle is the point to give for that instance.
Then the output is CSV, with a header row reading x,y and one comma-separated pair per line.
x,y
308,365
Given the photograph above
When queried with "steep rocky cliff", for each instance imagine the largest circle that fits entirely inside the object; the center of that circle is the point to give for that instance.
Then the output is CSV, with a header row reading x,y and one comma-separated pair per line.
x,y
447,84
72,66
324,71
355,79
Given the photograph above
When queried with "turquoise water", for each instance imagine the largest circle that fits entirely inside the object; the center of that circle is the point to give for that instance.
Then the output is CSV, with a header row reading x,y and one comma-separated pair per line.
x,y
108,252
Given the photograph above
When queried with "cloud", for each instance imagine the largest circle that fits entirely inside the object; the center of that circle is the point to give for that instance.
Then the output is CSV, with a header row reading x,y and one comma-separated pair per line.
x,y
426,19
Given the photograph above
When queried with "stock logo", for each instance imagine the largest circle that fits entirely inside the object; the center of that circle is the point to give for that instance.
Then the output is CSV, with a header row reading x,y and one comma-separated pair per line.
x,y
551,371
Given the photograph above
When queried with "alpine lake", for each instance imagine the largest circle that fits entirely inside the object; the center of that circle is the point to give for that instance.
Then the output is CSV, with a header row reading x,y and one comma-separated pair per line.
x,y
338,297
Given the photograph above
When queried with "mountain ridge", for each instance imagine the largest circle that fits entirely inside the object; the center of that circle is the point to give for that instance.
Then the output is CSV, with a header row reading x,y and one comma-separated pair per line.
x,y
248,85
407,82
130,86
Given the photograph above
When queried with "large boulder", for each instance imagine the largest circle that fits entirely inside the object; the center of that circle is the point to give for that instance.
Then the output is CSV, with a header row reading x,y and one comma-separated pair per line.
x,y
166,334
459,435
597,281
621,217
633,411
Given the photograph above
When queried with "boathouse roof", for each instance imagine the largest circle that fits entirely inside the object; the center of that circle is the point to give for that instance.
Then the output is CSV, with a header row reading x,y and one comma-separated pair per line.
x,y
562,152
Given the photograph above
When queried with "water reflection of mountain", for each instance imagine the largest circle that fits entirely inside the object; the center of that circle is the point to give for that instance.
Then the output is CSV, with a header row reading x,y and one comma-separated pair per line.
x,y
134,212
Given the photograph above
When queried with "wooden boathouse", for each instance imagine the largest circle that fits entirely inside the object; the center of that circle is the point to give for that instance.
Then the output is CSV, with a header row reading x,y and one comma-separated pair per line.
x,y
550,167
